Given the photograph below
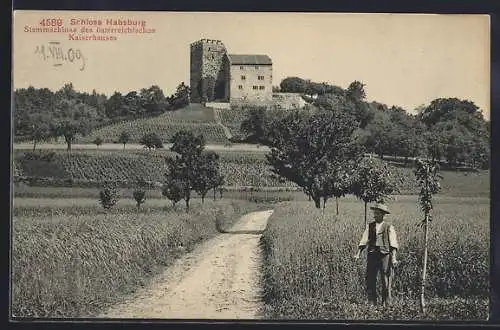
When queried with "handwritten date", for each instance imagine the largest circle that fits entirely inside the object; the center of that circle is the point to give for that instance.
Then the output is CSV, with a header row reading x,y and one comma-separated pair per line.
x,y
58,55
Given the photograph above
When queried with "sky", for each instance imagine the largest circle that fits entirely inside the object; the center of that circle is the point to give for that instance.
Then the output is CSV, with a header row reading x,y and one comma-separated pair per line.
x,y
404,60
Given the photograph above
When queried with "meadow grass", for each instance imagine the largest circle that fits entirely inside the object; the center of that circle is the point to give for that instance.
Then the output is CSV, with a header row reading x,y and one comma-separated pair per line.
x,y
310,273
72,259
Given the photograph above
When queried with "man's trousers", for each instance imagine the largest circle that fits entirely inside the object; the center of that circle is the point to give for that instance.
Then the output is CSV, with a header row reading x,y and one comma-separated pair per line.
x,y
379,263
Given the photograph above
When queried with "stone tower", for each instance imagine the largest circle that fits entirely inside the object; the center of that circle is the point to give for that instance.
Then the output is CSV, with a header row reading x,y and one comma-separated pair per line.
x,y
209,79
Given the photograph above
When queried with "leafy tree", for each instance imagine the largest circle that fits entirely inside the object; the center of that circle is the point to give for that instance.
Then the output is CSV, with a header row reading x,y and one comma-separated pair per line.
x,y
293,85
218,183
139,196
39,129
340,182
449,109
181,178
153,100
72,118
97,141
356,91
181,98
373,182
187,144
427,175
132,105
254,126
114,105
305,147
185,168
173,188
124,138
109,196
151,141
208,175
379,139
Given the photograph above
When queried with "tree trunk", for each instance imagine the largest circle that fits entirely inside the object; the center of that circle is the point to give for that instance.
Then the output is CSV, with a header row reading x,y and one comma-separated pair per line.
x,y
203,199
138,205
187,204
337,204
214,194
124,146
365,212
317,202
34,145
424,270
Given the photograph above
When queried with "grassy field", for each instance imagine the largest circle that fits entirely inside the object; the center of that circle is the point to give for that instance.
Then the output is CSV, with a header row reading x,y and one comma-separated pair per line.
x,y
71,258
309,271
195,118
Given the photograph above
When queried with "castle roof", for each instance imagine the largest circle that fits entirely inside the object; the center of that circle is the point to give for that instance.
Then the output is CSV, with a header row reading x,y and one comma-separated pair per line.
x,y
249,59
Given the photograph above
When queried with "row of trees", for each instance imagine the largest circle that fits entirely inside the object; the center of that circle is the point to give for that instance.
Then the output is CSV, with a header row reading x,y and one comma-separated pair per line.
x,y
447,129
40,114
192,170
320,151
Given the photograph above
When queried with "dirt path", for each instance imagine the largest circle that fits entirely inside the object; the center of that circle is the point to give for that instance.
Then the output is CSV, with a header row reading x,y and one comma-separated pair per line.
x,y
220,279
218,120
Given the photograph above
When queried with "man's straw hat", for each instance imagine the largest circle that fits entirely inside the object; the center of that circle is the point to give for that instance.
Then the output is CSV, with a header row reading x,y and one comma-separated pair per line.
x,y
382,207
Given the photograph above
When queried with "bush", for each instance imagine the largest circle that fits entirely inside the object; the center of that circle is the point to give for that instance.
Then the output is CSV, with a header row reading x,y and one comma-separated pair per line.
x,y
140,197
109,196
151,140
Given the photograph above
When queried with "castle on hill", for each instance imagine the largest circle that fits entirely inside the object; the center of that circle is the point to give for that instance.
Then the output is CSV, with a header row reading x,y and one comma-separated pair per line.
x,y
217,76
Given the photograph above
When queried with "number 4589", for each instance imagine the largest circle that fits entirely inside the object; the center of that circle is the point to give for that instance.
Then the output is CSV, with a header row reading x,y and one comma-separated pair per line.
x,y
51,22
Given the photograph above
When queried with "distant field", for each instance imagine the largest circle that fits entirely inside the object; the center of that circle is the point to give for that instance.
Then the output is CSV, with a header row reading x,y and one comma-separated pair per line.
x,y
239,168
198,119
92,167
310,273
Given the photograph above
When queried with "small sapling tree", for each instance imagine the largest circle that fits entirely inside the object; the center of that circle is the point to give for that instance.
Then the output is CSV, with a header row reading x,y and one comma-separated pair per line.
x,y
373,181
124,138
427,174
140,192
140,197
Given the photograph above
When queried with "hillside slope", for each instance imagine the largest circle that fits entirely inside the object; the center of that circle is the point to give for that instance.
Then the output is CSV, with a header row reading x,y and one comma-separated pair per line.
x,y
194,118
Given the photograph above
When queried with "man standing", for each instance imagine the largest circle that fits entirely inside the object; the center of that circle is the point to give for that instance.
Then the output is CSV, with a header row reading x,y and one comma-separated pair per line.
x,y
381,240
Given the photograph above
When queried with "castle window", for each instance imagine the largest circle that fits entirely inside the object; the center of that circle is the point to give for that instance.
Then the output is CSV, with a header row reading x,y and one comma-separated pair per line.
x,y
261,87
261,77
255,87
243,77
242,68
240,86
256,68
